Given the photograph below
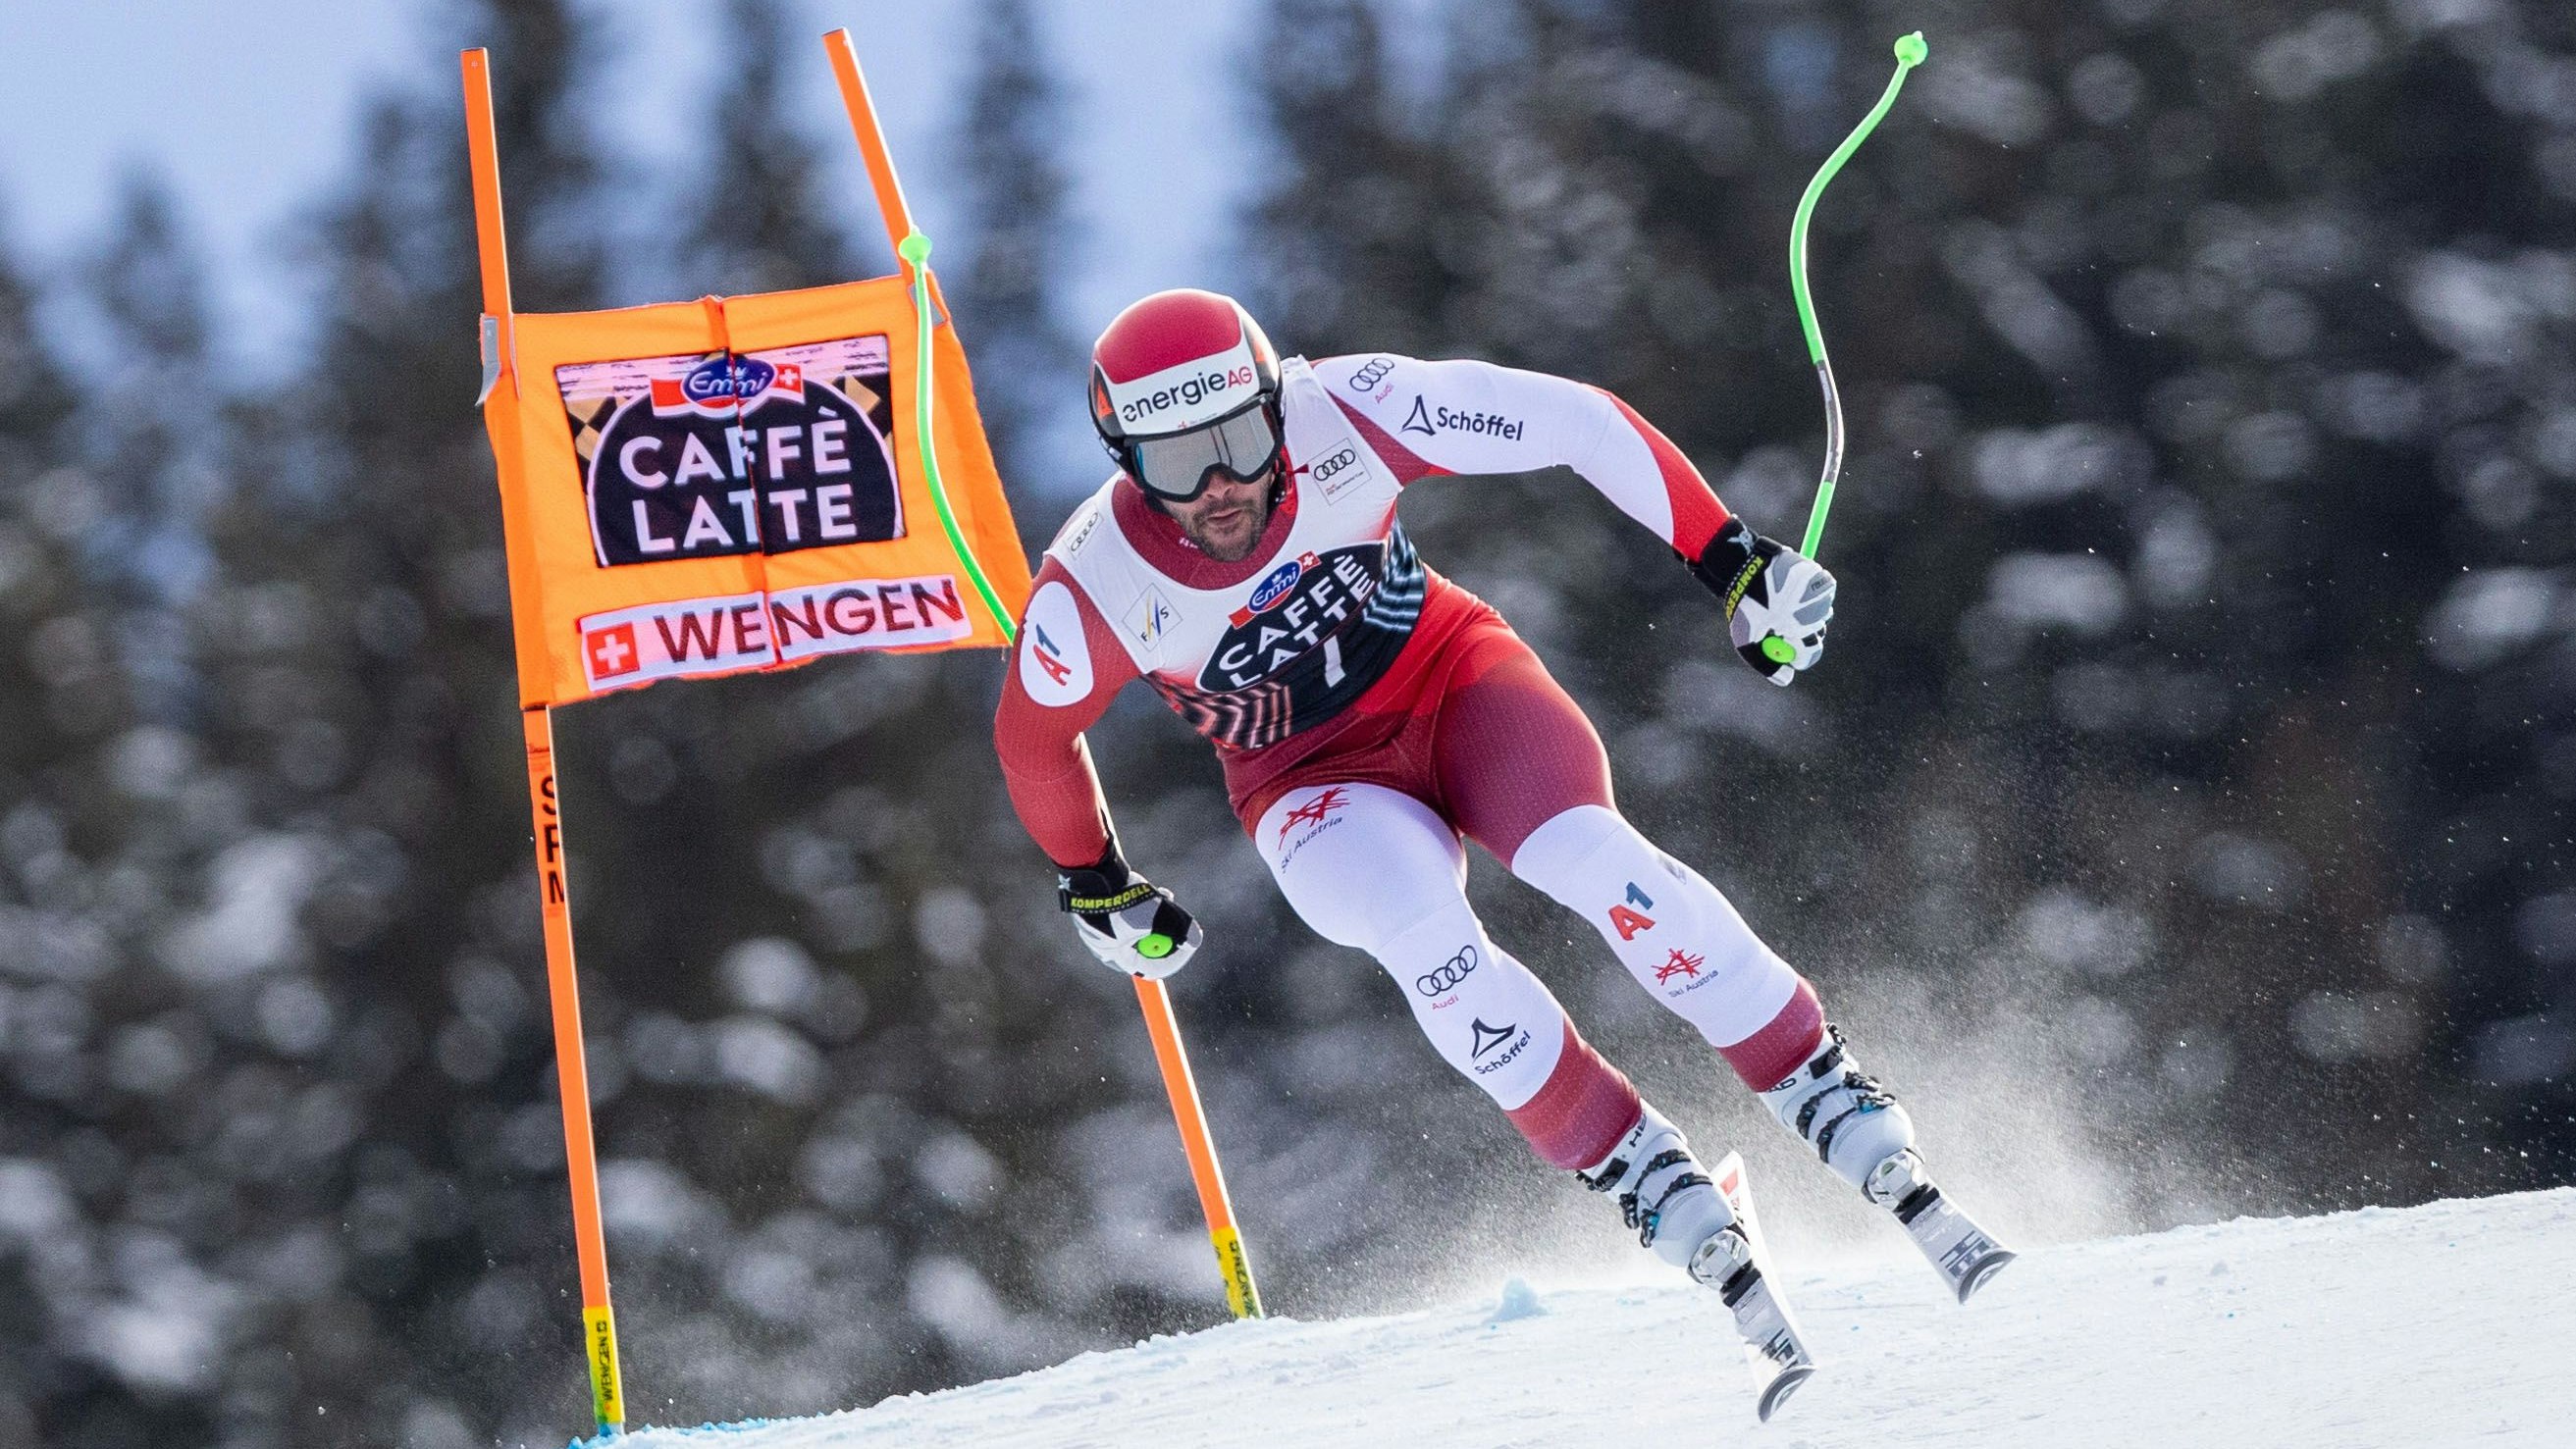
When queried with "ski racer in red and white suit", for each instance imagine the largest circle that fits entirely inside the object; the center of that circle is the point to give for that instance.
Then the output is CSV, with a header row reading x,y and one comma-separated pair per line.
x,y
1368,713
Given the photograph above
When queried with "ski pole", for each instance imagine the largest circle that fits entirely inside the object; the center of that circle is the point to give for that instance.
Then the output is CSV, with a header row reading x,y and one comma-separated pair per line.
x,y
1178,1083
913,249
1910,51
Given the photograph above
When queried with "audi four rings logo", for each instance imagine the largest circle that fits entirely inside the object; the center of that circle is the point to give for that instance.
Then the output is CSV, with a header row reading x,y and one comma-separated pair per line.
x,y
1369,376
1447,975
1324,470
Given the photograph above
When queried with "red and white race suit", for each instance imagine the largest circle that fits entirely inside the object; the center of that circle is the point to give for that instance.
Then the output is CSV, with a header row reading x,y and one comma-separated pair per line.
x,y
1368,711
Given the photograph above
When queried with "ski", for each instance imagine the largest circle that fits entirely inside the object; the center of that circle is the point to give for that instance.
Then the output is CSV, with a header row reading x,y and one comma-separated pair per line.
x,y
1773,1346
1964,1254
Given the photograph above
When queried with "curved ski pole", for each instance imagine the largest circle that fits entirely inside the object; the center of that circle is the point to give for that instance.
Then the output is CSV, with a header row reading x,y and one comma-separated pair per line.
x,y
915,251
1910,51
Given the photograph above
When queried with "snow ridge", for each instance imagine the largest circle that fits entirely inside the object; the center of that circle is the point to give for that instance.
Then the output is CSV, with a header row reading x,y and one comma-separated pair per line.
x,y
2411,1327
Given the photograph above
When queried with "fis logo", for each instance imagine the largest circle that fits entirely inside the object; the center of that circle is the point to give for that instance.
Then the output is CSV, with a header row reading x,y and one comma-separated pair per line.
x,y
1151,617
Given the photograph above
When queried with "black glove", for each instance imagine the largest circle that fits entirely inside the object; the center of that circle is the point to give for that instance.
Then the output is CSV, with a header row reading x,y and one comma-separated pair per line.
x,y
1127,921
1778,601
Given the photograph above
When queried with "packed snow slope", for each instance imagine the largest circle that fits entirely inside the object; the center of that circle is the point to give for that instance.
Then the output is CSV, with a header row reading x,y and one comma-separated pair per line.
x,y
2453,1323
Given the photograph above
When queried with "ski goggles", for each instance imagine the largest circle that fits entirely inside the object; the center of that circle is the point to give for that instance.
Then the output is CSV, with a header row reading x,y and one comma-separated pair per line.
x,y
1180,466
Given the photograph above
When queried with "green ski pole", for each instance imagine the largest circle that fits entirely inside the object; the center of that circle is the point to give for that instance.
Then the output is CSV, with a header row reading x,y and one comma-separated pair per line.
x,y
1910,51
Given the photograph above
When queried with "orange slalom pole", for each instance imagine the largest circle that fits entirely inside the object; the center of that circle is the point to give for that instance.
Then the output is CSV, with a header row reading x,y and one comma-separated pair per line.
x,y
484,153
872,146
1240,1294
599,1326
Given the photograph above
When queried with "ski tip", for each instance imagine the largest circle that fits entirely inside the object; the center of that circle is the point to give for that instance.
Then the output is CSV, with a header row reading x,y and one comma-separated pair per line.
x,y
1777,1392
1981,1270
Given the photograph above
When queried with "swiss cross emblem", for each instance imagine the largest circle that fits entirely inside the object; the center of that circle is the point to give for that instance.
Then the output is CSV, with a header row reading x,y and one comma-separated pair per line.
x,y
612,651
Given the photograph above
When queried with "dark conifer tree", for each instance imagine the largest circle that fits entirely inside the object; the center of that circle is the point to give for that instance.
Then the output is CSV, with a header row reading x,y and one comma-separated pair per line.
x,y
43,513
1369,230
1007,285
761,223
363,700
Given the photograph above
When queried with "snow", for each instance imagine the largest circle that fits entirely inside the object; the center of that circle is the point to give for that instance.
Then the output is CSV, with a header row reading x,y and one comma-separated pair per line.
x,y
2412,1327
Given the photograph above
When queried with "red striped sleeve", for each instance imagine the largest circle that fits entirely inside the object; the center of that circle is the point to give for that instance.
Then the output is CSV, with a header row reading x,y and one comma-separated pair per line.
x,y
1044,760
1697,513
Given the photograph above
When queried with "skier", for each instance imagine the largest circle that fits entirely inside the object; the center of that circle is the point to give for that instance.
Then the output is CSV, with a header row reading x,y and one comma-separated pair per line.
x,y
1246,562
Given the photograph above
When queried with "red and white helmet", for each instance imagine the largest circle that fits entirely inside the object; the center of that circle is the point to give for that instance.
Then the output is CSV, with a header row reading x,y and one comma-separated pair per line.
x,y
1185,362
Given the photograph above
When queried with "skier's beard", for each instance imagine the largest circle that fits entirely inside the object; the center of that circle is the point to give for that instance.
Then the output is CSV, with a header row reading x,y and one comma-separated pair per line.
x,y
1228,519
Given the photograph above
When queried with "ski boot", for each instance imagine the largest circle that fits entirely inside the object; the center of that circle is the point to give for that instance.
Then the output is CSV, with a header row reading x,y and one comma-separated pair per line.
x,y
1860,1132
1686,1220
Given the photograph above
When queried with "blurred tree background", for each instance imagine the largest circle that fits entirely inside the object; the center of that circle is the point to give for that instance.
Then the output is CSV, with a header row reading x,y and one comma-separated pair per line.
x,y
2180,820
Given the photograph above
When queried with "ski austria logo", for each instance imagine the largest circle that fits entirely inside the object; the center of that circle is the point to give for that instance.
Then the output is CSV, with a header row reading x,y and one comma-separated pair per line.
x,y
1317,812
729,453
1055,659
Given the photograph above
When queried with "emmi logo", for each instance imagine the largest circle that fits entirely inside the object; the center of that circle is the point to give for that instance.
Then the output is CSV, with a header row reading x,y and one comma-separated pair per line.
x,y
749,631
736,456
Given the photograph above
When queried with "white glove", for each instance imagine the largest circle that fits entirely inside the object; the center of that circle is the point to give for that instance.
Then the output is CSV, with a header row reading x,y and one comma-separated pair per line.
x,y
1127,921
1778,601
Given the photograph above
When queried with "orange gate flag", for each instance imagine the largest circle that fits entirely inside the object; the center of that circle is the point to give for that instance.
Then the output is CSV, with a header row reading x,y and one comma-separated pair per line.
x,y
717,486
737,483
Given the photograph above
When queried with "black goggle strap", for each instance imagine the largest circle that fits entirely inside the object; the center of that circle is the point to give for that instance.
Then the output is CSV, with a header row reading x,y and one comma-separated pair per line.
x,y
1177,466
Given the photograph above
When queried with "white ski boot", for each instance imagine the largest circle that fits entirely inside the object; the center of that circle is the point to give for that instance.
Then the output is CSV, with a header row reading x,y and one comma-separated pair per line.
x,y
1664,1195
1688,1222
1860,1131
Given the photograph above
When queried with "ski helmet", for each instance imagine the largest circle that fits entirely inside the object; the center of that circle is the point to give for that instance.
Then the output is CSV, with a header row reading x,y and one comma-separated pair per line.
x,y
1184,386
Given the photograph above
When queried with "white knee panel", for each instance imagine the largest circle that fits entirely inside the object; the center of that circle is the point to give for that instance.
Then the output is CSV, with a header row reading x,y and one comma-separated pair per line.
x,y
1373,868
1673,930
